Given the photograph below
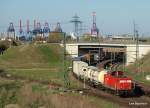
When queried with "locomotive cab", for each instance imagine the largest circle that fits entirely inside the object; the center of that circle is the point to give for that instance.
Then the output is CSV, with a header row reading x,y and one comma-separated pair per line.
x,y
117,81
118,74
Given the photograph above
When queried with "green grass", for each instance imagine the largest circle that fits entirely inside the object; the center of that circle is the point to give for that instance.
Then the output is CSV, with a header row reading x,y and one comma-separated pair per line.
x,y
140,76
38,62
41,62
8,92
53,54
38,74
25,56
4,81
32,56
139,70
102,103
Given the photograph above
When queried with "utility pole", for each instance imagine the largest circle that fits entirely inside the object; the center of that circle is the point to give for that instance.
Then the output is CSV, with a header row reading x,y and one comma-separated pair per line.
x,y
137,45
66,77
76,23
136,41
137,50
134,31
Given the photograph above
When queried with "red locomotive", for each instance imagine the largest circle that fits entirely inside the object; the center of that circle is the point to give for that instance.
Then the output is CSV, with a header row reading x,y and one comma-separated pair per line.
x,y
118,82
115,81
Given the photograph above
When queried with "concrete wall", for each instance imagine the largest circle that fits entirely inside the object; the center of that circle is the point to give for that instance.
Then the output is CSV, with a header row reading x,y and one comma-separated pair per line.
x,y
131,52
72,49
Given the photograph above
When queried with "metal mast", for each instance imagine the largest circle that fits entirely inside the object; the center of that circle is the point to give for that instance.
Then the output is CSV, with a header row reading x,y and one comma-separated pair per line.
x,y
137,44
136,40
11,31
94,29
58,28
46,29
34,24
39,29
76,23
134,28
28,29
20,27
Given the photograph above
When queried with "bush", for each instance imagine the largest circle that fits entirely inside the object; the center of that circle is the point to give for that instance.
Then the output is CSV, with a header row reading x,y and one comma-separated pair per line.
x,y
55,37
4,45
16,43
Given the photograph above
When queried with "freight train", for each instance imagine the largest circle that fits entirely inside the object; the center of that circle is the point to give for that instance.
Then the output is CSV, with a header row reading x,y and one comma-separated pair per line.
x,y
114,81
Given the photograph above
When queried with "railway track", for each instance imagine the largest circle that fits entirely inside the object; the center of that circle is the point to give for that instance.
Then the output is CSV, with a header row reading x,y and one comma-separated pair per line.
x,y
129,102
126,102
144,87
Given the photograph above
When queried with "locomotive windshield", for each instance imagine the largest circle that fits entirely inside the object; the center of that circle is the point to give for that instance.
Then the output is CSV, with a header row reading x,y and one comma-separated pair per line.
x,y
118,74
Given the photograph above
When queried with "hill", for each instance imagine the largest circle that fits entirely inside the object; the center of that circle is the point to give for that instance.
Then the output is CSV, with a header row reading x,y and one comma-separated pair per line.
x,y
140,69
43,62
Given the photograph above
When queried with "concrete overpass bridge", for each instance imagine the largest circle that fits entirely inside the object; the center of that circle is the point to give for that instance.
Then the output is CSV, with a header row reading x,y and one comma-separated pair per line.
x,y
126,52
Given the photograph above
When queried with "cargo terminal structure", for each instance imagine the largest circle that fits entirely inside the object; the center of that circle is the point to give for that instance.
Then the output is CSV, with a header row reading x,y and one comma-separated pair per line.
x,y
127,52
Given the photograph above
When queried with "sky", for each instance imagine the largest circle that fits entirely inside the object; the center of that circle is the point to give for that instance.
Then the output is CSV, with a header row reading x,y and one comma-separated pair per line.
x,y
113,16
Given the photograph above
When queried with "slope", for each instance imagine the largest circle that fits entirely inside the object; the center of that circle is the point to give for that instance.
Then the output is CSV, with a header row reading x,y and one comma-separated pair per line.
x,y
42,62
140,69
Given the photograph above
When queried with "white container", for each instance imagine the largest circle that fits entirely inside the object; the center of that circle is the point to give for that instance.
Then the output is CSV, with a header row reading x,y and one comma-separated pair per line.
x,y
93,73
78,66
148,77
101,76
